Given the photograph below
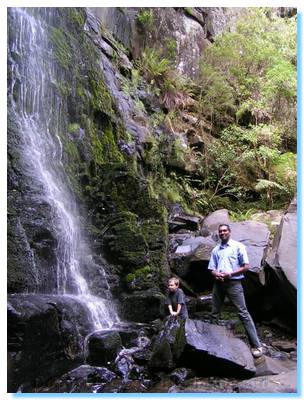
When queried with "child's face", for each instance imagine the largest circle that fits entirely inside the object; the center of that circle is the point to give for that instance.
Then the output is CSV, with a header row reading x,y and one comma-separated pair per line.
x,y
172,286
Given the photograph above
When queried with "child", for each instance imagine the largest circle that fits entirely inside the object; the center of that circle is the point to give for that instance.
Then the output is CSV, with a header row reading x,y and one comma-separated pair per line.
x,y
176,300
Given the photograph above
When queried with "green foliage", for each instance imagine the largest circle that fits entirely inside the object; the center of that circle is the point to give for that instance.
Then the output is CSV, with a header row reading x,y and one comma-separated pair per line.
x,y
249,75
138,273
241,215
76,16
104,146
101,99
189,10
285,168
146,18
216,100
244,160
130,86
171,47
72,128
152,65
175,91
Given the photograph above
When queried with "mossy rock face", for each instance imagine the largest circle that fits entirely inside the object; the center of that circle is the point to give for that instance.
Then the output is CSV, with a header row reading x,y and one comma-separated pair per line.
x,y
143,306
126,223
141,279
126,241
130,225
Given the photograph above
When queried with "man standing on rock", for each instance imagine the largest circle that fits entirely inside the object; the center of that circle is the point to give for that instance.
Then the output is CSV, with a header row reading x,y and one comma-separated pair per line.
x,y
228,262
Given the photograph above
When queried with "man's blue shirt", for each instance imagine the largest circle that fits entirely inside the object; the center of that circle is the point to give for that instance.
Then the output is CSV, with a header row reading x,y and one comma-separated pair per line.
x,y
228,257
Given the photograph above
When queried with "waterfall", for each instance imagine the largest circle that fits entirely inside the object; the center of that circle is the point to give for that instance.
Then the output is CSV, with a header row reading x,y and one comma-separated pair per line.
x,y
39,112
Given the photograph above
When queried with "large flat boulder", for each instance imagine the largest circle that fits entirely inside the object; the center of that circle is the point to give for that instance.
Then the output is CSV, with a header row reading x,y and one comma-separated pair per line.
x,y
213,220
213,349
255,236
203,251
190,247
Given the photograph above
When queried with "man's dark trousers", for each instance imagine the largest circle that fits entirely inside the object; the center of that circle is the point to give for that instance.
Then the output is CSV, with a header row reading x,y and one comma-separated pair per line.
x,y
234,290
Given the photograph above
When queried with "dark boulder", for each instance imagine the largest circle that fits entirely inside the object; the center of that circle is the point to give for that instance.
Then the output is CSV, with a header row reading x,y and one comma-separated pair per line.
x,y
177,239
84,379
189,222
168,345
143,306
213,350
190,261
206,348
46,335
103,347
282,258
281,270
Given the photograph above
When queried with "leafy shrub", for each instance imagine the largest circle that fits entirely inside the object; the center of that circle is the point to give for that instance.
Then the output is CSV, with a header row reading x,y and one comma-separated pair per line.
x,y
146,18
249,75
175,91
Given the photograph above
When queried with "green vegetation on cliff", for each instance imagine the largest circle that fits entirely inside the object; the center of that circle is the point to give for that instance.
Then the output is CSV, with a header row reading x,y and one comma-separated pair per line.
x,y
248,93
244,110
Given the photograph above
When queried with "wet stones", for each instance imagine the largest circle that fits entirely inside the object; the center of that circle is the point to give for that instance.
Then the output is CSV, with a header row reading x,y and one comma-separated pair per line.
x,y
103,347
46,334
84,379
180,375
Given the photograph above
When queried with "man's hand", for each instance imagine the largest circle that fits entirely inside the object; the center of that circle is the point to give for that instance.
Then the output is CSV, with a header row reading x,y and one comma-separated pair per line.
x,y
221,276
218,276
226,275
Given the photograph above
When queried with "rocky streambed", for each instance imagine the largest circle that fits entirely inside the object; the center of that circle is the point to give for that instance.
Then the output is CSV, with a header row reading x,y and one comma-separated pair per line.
x,y
156,365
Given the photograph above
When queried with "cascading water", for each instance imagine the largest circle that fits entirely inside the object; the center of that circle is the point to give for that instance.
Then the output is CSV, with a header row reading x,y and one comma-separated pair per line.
x,y
39,113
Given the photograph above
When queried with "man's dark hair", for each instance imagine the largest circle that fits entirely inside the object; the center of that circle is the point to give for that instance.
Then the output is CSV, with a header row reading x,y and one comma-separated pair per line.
x,y
228,227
